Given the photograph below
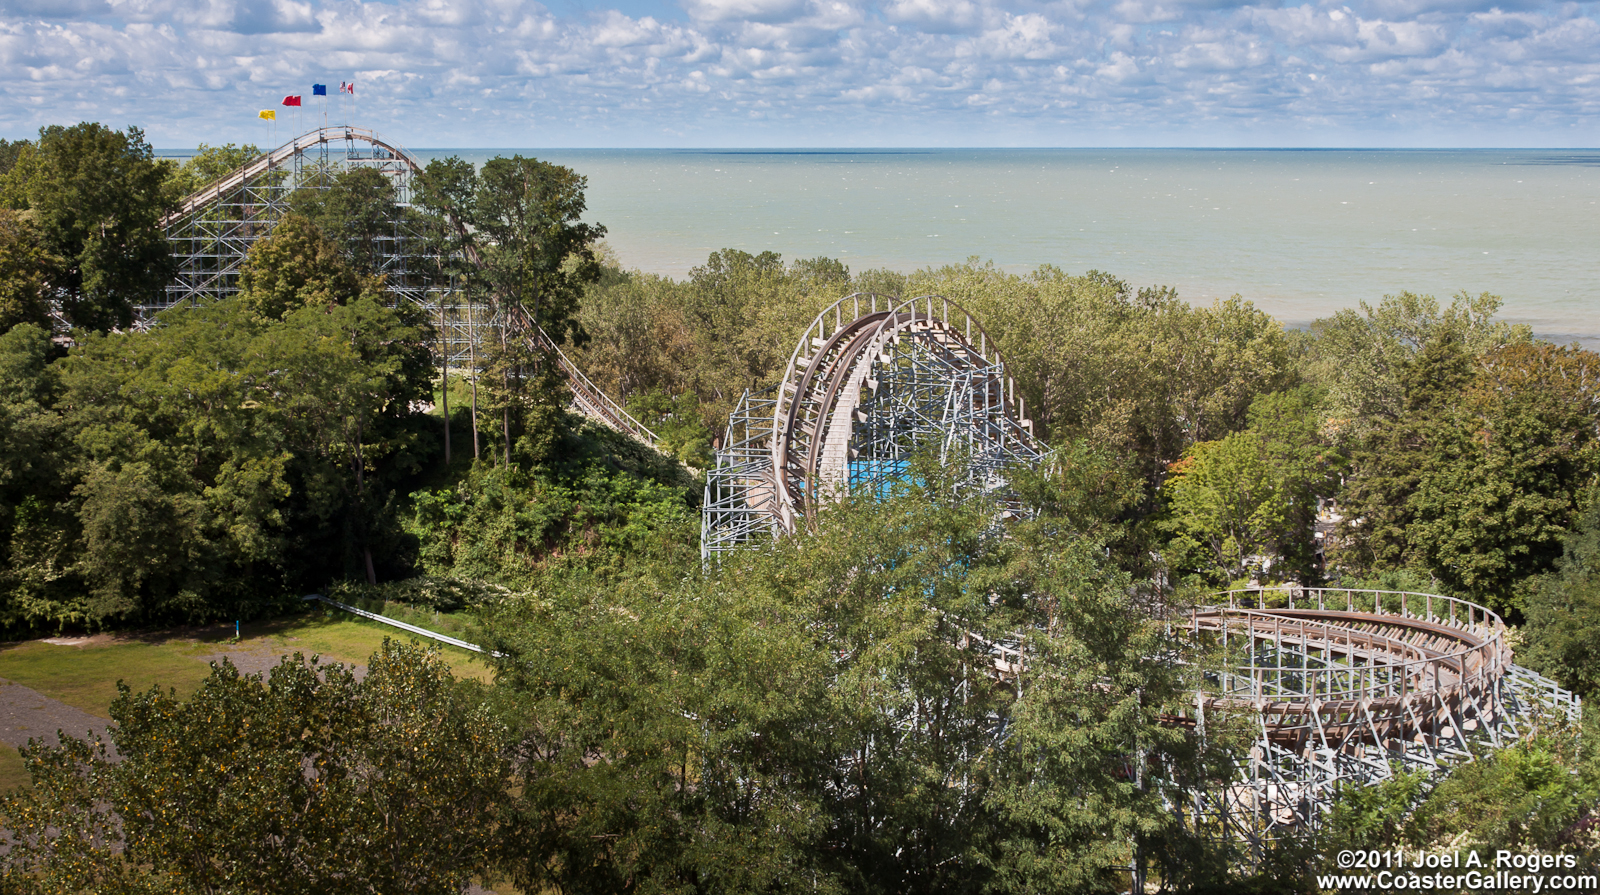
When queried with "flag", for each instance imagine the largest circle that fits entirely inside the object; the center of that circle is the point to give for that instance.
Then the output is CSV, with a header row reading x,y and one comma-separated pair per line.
x,y
291,100
349,88
268,115
319,89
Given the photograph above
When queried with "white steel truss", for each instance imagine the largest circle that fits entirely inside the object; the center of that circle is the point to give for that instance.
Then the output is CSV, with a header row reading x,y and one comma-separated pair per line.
x,y
873,381
213,229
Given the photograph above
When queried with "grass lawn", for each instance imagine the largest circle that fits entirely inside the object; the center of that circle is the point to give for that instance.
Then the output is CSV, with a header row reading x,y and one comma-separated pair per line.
x,y
86,676
12,773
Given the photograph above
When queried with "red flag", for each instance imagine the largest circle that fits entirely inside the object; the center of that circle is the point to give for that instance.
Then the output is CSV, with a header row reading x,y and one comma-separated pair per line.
x,y
349,88
291,100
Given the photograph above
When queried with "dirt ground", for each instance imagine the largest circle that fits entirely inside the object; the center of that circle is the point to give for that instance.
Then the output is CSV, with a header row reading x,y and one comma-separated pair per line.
x,y
28,714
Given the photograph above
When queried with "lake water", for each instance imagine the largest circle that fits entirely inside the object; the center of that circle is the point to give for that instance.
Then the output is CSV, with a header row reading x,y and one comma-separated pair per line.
x,y
1300,233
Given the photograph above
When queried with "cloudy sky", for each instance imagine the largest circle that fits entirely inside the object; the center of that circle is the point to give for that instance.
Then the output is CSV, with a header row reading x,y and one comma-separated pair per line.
x,y
671,73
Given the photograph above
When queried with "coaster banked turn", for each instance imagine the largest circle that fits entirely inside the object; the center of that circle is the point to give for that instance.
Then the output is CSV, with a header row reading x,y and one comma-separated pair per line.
x,y
1340,685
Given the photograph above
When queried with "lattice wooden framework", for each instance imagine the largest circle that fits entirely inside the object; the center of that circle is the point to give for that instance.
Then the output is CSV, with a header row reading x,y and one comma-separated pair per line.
x,y
873,381
1353,687
212,231
1340,686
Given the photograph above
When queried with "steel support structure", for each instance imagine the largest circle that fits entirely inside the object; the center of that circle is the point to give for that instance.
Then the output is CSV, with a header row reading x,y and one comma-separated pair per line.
x,y
1352,687
1338,686
213,229
873,381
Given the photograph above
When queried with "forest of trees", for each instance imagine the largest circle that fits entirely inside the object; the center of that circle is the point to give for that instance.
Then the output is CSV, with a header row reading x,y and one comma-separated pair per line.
x,y
658,726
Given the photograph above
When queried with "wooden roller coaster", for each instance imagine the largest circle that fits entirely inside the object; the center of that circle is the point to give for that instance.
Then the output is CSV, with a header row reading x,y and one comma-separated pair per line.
x,y
1339,686
212,230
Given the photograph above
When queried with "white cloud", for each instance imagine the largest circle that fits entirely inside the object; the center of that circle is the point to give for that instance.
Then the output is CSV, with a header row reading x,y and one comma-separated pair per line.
x,y
500,72
935,16
745,10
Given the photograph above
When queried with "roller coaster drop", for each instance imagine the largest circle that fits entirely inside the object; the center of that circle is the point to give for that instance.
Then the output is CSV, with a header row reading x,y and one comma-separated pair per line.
x,y
1341,685
213,229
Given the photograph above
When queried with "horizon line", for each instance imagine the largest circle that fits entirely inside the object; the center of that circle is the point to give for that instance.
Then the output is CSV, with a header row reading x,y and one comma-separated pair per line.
x,y
826,149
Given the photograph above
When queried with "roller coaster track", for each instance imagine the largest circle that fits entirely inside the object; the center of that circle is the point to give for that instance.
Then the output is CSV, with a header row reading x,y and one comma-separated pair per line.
x,y
213,228
873,381
1354,686
1341,686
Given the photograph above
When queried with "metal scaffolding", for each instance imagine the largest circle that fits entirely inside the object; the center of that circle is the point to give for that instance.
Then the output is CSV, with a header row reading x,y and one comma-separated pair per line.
x,y
1352,687
1338,686
873,381
213,230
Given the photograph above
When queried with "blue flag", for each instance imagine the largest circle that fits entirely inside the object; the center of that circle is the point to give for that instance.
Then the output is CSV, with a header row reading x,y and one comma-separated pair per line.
x,y
319,89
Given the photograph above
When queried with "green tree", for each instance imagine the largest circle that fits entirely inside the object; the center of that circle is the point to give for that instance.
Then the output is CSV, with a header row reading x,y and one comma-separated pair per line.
x,y
1528,797
1361,358
535,256
209,164
63,836
349,376
537,250
28,272
1246,503
243,447
1481,478
97,197
357,210
10,152
1229,505
677,420
1139,372
297,266
1563,629
839,714
36,527
1389,464
307,781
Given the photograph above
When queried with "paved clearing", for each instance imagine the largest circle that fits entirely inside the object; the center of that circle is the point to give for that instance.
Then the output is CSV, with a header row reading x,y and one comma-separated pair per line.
x,y
27,714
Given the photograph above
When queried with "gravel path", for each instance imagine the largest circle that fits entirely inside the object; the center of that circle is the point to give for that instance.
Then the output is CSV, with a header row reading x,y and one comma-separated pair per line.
x,y
26,713
261,661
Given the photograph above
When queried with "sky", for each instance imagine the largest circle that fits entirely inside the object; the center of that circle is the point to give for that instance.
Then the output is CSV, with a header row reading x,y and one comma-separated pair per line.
x,y
818,73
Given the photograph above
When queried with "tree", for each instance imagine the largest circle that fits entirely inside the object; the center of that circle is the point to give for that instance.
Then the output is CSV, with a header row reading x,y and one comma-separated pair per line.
x,y
537,255
307,781
1361,359
1228,504
349,377
729,328
1563,630
356,209
537,250
36,542
97,196
831,715
1139,372
1482,476
27,272
10,152
209,164
245,446
1246,503
1526,798
295,267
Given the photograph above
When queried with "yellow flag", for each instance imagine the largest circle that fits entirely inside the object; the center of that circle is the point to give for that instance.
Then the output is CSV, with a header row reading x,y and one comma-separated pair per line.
x,y
268,115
